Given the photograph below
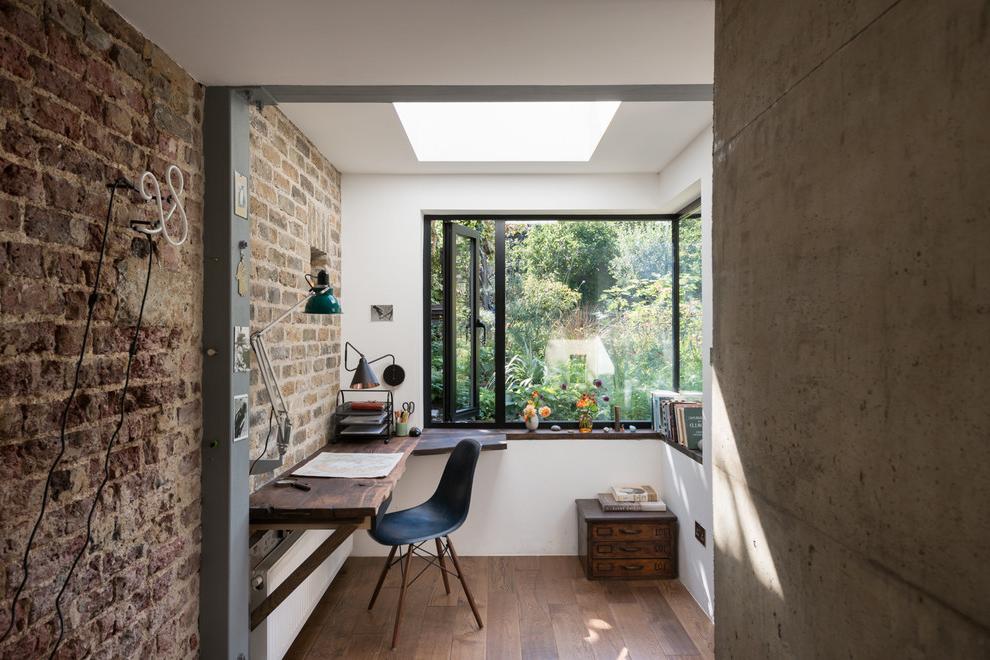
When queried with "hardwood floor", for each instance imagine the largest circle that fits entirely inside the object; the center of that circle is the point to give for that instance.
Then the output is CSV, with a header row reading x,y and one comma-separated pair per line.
x,y
533,607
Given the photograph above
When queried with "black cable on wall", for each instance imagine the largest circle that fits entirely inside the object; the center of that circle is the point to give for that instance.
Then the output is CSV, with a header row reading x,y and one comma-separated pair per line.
x,y
94,297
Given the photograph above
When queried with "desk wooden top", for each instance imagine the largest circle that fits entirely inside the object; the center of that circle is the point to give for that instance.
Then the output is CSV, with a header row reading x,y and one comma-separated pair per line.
x,y
331,502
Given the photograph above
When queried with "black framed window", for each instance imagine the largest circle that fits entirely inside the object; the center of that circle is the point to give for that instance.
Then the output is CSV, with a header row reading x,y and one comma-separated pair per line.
x,y
560,305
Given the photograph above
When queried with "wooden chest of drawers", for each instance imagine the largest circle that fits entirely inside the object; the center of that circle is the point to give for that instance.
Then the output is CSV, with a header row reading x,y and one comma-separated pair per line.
x,y
626,545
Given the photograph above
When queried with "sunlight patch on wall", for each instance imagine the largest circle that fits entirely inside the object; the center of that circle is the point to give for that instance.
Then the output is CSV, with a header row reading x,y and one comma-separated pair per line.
x,y
738,530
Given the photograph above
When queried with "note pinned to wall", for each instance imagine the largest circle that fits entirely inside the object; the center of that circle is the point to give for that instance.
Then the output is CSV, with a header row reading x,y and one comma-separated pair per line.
x,y
350,466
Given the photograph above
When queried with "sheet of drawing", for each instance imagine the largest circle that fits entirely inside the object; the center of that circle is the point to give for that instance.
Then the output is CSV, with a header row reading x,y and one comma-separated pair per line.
x,y
350,466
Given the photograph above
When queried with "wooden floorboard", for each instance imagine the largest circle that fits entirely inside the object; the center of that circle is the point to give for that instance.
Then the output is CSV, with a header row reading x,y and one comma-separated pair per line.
x,y
533,608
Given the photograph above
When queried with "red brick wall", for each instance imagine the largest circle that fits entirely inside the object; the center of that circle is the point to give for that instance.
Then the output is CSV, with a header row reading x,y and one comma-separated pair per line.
x,y
85,98
295,229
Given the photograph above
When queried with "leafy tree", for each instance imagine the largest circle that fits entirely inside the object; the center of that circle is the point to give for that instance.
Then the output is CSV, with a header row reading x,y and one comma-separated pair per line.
x,y
575,253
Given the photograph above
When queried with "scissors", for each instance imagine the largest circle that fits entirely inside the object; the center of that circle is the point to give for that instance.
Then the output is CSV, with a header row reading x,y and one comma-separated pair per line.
x,y
409,407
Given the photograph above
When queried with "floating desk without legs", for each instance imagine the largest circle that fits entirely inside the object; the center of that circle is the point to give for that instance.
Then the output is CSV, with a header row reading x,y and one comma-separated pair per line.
x,y
343,505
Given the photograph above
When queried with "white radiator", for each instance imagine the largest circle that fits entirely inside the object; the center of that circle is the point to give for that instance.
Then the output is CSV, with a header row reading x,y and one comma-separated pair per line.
x,y
273,637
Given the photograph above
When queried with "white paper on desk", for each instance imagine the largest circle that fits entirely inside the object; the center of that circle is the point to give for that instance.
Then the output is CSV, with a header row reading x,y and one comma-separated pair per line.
x,y
350,466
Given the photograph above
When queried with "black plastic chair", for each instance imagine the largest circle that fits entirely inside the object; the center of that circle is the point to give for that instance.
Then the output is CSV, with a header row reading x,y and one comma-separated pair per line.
x,y
433,520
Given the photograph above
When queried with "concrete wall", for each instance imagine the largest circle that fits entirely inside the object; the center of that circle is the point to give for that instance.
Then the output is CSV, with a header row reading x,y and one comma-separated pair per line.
x,y
852,312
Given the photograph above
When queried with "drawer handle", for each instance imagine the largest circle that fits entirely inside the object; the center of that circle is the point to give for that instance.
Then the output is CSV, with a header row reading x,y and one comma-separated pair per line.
x,y
626,548
632,567
628,530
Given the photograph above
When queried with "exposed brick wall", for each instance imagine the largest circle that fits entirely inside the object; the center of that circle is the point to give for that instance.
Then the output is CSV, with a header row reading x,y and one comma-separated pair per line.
x,y
85,98
295,229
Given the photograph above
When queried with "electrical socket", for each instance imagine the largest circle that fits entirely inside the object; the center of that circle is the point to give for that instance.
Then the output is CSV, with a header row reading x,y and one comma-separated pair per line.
x,y
699,533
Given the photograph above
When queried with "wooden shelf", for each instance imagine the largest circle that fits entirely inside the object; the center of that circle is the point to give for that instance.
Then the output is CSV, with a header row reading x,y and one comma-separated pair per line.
x,y
693,454
574,434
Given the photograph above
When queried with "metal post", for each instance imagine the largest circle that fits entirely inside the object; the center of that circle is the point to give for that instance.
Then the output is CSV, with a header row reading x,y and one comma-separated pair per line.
x,y
224,593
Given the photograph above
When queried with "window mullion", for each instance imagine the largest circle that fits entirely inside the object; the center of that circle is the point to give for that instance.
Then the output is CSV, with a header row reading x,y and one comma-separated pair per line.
x,y
499,329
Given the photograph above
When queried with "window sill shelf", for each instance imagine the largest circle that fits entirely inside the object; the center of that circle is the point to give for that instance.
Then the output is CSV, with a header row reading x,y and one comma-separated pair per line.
x,y
693,454
574,434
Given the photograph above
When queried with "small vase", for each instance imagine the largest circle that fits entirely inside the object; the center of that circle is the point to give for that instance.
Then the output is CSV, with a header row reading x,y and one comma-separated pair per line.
x,y
584,422
533,423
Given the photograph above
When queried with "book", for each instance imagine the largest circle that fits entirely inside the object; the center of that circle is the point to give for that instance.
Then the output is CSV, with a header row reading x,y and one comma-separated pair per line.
x,y
659,411
635,493
693,425
608,502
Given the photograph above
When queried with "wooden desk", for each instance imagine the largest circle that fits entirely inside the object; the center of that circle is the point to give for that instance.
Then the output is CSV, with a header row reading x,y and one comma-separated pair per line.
x,y
333,502
343,505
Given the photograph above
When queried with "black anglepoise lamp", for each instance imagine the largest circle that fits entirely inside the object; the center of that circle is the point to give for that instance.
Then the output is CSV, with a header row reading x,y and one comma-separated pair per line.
x,y
364,375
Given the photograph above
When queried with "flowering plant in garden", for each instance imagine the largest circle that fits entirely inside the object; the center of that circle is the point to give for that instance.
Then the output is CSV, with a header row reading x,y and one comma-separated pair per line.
x,y
588,401
533,407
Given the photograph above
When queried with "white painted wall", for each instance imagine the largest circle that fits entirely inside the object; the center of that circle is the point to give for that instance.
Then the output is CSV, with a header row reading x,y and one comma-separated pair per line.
x,y
523,498
523,502
688,485
382,243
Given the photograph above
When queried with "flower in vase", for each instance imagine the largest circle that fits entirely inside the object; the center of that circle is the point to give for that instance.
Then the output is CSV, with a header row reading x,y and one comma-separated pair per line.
x,y
529,411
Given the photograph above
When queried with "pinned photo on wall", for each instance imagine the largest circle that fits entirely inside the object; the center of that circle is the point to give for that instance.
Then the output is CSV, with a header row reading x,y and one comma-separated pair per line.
x,y
242,348
381,313
240,195
240,417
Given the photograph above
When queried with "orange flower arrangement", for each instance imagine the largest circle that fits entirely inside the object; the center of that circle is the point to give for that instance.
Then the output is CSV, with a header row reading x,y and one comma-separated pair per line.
x,y
531,409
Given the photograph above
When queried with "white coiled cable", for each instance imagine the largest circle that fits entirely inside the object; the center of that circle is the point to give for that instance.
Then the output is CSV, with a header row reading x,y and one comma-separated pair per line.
x,y
151,190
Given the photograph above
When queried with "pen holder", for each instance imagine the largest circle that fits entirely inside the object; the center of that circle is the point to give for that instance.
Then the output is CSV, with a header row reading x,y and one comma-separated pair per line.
x,y
402,429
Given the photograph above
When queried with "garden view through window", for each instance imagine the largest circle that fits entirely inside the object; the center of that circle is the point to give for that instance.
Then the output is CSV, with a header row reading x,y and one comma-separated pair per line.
x,y
559,308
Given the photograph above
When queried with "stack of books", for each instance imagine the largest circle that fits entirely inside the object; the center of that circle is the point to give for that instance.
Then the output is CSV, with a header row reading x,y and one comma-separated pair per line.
x,y
677,418
631,498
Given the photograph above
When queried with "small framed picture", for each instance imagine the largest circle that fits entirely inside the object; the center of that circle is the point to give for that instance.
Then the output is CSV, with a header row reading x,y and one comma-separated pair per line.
x,y
240,195
242,348
381,313
240,417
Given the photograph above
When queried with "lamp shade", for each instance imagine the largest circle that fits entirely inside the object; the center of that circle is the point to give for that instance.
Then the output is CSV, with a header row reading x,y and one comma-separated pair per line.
x,y
322,300
364,376
323,303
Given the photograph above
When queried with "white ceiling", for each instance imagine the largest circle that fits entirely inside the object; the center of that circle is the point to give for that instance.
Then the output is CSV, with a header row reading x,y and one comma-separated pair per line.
x,y
448,42
368,138
433,42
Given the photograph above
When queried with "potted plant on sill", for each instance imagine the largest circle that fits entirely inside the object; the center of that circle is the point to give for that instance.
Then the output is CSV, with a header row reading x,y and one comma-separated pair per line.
x,y
531,414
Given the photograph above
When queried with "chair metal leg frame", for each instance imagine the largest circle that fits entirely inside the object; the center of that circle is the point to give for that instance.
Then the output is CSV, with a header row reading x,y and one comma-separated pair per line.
x,y
431,559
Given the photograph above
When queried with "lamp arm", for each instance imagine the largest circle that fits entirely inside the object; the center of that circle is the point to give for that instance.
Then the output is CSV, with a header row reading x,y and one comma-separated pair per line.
x,y
387,355
281,410
286,313
349,345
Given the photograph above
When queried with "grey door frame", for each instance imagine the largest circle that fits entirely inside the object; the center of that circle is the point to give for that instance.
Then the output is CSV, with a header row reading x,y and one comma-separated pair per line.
x,y
225,572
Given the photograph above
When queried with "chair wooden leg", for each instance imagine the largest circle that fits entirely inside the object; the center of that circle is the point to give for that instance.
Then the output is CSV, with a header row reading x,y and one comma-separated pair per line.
x,y
460,574
402,596
381,579
443,566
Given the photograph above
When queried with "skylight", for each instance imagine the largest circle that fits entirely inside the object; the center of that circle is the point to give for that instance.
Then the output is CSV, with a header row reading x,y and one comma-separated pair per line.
x,y
506,132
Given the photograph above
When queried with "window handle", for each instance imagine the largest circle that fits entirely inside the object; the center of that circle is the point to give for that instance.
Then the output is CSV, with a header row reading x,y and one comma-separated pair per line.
x,y
484,331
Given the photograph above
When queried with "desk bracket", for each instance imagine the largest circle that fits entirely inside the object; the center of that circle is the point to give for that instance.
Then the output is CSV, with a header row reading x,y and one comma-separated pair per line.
x,y
298,576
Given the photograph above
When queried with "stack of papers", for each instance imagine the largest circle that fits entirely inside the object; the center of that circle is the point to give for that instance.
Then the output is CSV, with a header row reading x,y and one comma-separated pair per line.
x,y
350,466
